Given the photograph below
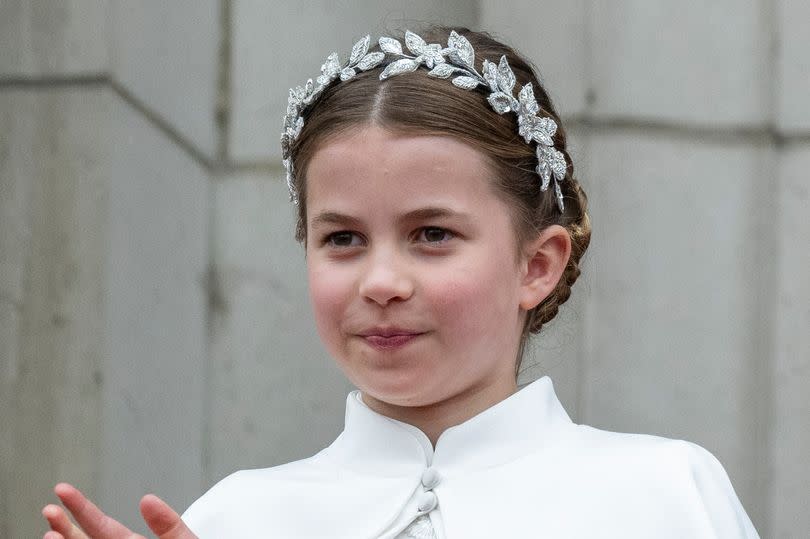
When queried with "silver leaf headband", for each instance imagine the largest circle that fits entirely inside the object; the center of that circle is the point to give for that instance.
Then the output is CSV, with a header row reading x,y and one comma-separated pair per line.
x,y
457,60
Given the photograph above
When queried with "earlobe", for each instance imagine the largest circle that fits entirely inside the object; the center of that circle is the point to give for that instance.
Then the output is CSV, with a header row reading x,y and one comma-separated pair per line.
x,y
545,260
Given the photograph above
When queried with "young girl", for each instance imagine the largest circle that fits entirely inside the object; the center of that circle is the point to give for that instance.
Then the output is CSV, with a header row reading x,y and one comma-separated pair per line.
x,y
442,224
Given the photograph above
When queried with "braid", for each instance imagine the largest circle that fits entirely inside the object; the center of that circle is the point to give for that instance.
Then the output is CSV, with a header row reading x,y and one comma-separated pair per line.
x,y
578,224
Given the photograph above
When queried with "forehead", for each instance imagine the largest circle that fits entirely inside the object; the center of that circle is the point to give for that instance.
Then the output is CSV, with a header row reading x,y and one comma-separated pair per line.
x,y
375,165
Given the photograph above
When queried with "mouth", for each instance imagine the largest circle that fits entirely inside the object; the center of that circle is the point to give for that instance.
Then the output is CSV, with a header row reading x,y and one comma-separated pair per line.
x,y
389,338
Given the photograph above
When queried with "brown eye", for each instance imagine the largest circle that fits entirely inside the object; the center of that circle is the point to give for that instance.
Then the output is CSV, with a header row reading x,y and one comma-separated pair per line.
x,y
434,234
342,239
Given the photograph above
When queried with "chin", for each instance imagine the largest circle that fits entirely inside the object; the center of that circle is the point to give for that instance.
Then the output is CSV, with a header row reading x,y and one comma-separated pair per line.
x,y
410,391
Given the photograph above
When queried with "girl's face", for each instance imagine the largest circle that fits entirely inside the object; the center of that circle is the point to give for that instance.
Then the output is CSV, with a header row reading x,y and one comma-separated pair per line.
x,y
412,268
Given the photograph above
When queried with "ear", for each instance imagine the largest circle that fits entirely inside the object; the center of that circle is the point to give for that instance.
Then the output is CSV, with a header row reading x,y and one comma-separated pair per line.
x,y
544,261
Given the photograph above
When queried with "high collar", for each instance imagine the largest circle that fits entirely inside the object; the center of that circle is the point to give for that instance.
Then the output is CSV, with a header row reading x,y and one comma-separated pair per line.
x,y
525,422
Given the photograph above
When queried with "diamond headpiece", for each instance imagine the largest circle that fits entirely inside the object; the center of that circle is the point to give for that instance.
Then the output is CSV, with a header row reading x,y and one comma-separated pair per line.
x,y
456,61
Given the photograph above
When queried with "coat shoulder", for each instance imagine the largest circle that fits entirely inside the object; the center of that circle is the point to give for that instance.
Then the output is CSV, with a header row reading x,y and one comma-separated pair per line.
x,y
678,473
645,454
242,492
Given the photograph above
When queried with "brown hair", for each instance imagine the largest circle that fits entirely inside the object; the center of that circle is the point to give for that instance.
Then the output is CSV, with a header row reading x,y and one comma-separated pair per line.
x,y
417,104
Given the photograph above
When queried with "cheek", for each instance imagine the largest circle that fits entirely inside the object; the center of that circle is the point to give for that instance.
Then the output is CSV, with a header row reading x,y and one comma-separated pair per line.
x,y
474,301
328,293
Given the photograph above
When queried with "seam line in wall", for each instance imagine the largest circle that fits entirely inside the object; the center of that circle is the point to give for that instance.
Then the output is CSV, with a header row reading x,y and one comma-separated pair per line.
x,y
163,126
102,80
50,81
735,134
765,134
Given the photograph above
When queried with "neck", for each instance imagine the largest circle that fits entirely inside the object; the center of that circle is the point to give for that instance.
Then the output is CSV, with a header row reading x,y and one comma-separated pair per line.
x,y
433,419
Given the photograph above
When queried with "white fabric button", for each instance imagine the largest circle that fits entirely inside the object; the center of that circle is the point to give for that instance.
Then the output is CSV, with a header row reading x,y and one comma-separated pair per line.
x,y
430,478
427,502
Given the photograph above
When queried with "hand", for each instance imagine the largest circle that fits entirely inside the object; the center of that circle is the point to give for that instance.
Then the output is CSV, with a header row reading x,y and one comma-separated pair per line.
x,y
94,524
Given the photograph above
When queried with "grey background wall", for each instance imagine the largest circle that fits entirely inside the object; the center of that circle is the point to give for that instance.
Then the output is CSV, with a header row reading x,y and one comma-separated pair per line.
x,y
154,328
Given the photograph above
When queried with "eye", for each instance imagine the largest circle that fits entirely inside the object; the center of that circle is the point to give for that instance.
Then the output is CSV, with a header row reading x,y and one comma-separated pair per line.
x,y
343,238
434,234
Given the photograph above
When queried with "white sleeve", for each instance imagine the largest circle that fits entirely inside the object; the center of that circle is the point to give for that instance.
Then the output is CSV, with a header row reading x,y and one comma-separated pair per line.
x,y
723,509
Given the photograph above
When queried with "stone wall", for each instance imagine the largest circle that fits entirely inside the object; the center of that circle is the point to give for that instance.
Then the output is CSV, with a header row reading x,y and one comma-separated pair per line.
x,y
154,329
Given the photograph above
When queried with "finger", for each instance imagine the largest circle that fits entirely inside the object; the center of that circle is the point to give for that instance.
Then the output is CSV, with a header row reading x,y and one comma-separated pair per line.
x,y
53,535
163,520
60,523
91,519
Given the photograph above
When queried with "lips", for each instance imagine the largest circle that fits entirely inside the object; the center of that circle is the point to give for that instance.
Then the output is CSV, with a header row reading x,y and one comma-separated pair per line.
x,y
388,331
389,338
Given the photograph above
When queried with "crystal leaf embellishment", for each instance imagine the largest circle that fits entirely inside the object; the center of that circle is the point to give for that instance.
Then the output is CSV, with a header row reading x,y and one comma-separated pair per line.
x,y
442,71
370,61
506,78
527,101
332,65
359,50
414,43
491,75
500,102
468,83
461,52
406,65
390,46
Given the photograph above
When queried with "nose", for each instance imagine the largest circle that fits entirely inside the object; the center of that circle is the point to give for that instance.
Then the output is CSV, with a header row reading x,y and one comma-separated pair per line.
x,y
386,279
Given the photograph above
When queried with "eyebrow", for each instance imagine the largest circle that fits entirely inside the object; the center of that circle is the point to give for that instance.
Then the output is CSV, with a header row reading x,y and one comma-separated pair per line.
x,y
333,218
430,212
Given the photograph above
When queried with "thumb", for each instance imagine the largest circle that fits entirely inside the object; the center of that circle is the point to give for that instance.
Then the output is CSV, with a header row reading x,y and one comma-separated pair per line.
x,y
163,520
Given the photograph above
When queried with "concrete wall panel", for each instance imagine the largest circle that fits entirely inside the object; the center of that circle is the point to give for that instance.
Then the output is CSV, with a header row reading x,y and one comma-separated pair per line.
x,y
550,35
674,333
270,373
16,161
277,45
707,64
155,328
790,437
9,352
52,431
41,38
793,64
9,356
167,55
104,287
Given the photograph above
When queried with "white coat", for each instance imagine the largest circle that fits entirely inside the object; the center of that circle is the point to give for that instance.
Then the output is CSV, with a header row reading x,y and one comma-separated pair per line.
x,y
519,469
